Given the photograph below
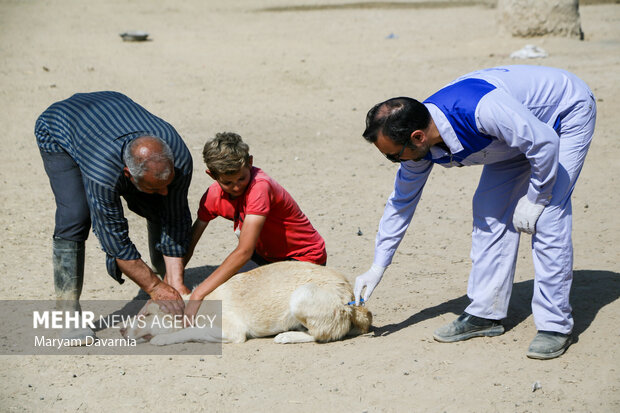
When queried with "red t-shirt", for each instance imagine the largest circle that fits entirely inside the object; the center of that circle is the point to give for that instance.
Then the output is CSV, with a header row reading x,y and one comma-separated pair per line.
x,y
287,232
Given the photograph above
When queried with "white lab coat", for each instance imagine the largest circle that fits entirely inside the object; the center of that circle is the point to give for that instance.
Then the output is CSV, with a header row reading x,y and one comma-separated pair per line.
x,y
526,156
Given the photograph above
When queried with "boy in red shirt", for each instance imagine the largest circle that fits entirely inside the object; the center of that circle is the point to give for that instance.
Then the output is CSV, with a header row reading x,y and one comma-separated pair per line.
x,y
270,225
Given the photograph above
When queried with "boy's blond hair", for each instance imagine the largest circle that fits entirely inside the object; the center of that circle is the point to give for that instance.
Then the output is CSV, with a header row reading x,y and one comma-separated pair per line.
x,y
226,154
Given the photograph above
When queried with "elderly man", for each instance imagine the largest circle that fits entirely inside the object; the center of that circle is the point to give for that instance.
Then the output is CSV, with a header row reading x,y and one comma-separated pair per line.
x,y
531,128
97,147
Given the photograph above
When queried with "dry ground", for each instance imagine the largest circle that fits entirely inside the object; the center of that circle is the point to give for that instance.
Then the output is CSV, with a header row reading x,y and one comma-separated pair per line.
x,y
296,84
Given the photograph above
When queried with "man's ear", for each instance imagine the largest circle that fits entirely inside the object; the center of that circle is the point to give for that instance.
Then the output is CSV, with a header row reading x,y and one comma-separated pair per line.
x,y
417,136
211,174
126,172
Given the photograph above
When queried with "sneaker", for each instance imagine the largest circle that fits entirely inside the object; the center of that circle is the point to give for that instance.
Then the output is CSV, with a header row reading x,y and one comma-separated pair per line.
x,y
468,326
548,345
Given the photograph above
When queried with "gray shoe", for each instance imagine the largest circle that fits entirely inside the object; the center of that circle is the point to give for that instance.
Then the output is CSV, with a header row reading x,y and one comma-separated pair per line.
x,y
548,345
466,327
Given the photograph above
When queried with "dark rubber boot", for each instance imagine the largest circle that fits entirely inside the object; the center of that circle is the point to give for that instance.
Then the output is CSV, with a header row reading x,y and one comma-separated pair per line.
x,y
68,262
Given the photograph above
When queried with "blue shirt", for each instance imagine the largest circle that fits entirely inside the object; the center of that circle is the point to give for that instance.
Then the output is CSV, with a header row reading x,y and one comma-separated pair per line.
x,y
93,128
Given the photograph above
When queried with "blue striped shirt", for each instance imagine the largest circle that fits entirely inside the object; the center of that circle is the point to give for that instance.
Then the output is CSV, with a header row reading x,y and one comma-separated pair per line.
x,y
93,128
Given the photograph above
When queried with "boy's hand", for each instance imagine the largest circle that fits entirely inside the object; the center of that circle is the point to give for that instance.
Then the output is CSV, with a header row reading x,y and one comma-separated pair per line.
x,y
191,309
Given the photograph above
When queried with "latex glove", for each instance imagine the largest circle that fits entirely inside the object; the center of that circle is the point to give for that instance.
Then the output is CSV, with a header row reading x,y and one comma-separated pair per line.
x,y
526,214
369,279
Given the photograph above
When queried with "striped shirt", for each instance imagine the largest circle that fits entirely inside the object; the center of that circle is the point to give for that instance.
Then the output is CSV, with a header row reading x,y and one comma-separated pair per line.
x,y
93,128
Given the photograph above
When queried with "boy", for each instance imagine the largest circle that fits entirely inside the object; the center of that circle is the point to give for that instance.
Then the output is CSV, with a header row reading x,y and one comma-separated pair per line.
x,y
270,225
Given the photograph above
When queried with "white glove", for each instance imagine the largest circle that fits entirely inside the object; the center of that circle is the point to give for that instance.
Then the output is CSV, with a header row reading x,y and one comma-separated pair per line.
x,y
369,279
526,214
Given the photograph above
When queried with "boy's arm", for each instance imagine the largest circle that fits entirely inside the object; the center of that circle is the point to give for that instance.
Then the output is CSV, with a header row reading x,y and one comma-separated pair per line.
x,y
252,227
197,230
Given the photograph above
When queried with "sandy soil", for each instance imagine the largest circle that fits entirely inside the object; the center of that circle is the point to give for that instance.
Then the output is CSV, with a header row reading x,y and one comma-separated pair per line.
x,y
296,83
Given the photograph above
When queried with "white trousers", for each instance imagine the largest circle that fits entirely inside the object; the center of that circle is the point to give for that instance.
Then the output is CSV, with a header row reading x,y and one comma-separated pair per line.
x,y
495,242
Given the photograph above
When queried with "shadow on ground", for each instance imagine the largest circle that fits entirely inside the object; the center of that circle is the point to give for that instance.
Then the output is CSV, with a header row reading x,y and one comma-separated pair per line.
x,y
591,291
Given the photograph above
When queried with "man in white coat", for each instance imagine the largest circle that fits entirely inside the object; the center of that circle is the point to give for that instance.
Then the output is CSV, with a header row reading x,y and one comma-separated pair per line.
x,y
531,127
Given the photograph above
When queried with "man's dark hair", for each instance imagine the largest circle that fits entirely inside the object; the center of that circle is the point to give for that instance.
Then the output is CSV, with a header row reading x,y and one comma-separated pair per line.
x,y
396,119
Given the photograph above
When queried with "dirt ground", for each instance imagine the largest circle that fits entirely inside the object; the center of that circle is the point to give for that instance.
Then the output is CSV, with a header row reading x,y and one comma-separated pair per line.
x,y
296,84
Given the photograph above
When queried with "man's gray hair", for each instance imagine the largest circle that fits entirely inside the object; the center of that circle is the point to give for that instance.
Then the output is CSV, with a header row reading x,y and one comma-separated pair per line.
x,y
138,165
